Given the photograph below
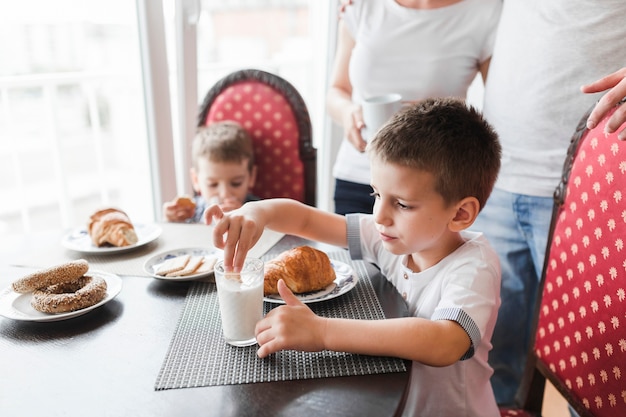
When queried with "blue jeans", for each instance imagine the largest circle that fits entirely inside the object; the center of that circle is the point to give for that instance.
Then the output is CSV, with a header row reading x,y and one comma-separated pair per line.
x,y
351,197
517,227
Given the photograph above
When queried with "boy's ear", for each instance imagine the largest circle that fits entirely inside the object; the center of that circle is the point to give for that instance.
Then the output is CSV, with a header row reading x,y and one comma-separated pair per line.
x,y
194,180
252,177
466,212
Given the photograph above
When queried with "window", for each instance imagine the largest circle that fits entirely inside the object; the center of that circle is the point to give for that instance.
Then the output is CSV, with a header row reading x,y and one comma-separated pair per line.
x,y
285,37
72,121
78,128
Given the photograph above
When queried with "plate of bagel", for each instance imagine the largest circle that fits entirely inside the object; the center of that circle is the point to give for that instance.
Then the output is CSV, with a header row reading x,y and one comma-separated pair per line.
x,y
110,231
58,293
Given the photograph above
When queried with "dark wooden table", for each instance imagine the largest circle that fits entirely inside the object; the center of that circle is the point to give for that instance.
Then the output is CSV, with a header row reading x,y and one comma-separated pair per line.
x,y
105,363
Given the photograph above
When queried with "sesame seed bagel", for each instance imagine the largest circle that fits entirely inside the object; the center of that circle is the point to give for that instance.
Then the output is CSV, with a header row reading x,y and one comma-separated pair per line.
x,y
58,274
70,296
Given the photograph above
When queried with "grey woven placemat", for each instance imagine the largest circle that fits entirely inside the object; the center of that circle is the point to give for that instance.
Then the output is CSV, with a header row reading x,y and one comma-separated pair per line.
x,y
198,356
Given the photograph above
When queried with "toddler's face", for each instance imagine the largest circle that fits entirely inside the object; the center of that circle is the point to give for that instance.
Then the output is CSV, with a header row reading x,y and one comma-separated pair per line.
x,y
226,182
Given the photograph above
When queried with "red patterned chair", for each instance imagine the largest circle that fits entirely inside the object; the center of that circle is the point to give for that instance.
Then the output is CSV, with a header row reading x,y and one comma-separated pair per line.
x,y
275,115
580,338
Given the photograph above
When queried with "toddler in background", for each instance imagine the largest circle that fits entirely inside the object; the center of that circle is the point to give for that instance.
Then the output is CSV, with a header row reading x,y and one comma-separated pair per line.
x,y
223,172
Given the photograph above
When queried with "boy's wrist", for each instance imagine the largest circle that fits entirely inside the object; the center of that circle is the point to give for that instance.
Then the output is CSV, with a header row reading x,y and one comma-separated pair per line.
x,y
324,333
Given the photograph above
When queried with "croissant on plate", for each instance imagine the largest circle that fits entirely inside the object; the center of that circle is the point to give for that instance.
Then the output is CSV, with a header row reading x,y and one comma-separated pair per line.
x,y
304,269
111,226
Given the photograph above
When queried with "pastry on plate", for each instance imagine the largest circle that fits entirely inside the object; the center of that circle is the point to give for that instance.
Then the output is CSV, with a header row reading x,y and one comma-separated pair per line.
x,y
113,227
186,202
304,269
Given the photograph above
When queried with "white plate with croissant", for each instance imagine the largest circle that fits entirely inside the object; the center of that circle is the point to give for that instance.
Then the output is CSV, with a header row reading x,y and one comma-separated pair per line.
x,y
110,230
79,240
345,280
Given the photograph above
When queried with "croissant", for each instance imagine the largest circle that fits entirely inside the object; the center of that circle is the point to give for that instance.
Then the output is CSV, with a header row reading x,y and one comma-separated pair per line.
x,y
111,226
304,269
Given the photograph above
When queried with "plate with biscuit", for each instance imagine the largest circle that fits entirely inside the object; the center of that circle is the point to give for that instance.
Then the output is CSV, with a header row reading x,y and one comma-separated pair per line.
x,y
58,293
184,264
309,274
110,230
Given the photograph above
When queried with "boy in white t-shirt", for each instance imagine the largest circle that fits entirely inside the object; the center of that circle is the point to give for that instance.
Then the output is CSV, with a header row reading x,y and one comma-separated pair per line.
x,y
433,168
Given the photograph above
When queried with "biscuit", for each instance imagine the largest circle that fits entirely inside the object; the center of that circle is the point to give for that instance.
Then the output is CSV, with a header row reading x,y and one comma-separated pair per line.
x,y
189,269
172,265
207,265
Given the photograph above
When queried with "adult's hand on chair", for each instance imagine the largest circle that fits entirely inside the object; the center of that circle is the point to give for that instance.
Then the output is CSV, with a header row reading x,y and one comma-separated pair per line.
x,y
615,83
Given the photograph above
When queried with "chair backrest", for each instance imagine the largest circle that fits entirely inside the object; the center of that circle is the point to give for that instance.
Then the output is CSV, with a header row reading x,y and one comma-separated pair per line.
x,y
580,324
275,115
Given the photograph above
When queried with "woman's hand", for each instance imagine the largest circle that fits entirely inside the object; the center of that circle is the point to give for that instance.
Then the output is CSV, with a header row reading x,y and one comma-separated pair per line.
x,y
291,326
352,126
342,6
616,84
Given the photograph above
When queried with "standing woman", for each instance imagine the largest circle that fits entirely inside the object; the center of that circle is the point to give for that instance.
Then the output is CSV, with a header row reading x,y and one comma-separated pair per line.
x,y
417,48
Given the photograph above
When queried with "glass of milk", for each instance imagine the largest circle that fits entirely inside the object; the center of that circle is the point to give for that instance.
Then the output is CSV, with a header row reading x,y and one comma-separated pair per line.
x,y
240,298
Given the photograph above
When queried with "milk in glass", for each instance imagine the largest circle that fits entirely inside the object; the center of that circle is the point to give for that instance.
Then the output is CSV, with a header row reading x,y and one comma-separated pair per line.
x,y
241,301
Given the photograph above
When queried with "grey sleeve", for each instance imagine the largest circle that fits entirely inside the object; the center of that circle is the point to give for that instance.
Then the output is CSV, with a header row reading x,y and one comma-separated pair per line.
x,y
354,235
465,321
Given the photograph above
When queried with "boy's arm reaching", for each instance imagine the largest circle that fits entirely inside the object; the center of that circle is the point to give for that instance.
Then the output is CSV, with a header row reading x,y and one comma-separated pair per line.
x,y
237,231
295,326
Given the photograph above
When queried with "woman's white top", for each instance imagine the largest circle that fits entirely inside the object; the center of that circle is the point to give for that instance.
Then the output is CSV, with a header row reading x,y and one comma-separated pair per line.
x,y
416,53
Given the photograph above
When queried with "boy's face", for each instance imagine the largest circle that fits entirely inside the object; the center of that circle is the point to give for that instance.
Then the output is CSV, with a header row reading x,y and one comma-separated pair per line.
x,y
228,181
410,215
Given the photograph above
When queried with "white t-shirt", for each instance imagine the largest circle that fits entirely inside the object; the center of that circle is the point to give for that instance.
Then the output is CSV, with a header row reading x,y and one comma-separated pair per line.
x,y
463,287
416,53
545,50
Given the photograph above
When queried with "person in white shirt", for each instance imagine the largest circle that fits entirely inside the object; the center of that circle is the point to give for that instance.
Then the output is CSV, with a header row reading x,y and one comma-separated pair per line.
x,y
418,49
544,52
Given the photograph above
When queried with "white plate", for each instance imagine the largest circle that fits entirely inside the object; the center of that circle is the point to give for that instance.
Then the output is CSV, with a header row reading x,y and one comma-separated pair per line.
x,y
345,280
153,263
17,306
80,241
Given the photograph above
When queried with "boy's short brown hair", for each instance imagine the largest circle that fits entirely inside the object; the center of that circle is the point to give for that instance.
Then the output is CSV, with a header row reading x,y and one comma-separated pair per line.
x,y
447,138
225,141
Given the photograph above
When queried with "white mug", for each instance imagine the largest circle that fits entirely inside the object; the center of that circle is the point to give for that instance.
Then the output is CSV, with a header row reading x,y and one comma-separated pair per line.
x,y
377,111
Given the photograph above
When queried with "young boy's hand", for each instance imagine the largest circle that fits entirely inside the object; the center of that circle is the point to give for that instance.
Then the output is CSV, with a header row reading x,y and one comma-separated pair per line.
x,y
236,232
179,209
291,326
